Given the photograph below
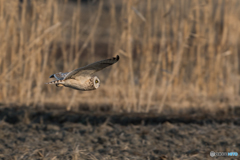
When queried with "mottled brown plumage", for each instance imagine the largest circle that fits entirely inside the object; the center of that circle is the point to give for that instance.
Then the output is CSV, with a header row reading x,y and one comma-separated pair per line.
x,y
81,78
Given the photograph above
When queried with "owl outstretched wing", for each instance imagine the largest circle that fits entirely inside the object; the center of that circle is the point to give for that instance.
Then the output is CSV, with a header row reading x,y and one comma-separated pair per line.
x,y
91,68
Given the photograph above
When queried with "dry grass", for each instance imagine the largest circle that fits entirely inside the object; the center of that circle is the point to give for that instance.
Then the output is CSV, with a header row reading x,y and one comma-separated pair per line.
x,y
196,41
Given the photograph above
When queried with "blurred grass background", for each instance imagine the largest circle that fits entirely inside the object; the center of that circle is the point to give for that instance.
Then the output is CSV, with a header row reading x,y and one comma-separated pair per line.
x,y
195,41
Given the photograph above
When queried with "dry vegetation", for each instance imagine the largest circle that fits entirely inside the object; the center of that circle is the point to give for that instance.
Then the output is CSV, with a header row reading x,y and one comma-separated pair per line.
x,y
195,41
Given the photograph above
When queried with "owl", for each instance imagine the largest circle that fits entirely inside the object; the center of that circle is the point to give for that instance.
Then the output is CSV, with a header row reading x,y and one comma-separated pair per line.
x,y
82,78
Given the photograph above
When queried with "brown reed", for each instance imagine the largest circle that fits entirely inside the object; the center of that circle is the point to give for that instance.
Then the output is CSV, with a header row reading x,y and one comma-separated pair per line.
x,y
195,41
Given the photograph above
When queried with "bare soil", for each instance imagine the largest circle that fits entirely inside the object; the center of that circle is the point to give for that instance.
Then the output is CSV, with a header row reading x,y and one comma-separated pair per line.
x,y
27,133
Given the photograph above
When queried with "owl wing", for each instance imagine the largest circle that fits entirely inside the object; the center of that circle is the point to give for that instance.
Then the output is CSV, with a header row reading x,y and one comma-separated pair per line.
x,y
92,68
59,76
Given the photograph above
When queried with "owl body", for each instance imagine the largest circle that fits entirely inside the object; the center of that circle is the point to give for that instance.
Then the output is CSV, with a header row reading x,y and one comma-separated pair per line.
x,y
81,78
83,83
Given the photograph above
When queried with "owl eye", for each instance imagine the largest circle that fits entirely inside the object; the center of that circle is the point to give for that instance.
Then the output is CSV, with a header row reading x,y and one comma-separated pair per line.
x,y
96,81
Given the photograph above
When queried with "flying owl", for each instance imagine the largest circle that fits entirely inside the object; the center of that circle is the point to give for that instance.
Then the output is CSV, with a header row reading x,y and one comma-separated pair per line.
x,y
82,78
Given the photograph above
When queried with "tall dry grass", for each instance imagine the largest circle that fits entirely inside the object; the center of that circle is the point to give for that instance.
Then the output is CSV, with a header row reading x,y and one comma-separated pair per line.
x,y
196,42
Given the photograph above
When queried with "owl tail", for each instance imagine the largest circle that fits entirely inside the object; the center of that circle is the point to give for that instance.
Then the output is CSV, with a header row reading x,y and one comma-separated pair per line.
x,y
56,82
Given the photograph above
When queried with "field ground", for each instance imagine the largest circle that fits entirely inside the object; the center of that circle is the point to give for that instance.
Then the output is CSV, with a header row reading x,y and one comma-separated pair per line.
x,y
27,133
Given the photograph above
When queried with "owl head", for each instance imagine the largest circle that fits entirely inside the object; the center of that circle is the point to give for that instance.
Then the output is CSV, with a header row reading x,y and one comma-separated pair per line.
x,y
96,82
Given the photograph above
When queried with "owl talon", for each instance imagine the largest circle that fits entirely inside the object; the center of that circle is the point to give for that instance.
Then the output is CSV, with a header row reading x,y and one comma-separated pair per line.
x,y
59,85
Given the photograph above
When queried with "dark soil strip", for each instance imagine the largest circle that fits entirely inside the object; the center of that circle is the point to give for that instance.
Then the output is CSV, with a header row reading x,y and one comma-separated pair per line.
x,y
15,115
